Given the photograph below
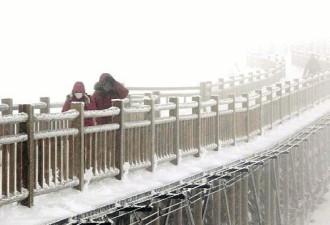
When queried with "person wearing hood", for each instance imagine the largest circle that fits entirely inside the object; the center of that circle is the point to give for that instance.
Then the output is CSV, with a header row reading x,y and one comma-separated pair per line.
x,y
106,89
312,66
78,94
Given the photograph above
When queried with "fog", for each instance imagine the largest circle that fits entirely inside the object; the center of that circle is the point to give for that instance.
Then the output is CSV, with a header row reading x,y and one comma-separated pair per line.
x,y
45,46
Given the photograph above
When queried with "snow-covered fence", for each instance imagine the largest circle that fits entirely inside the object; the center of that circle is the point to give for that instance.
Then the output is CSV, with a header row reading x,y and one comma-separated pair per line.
x,y
300,55
238,85
38,159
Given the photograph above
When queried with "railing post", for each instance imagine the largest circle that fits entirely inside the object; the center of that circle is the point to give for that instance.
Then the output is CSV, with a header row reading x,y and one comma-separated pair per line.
x,y
198,133
305,96
221,87
151,117
9,102
247,106
208,90
258,76
318,100
78,123
216,121
203,90
297,89
8,128
281,94
232,85
270,98
290,96
47,101
119,119
232,106
28,154
157,101
45,125
259,101
175,113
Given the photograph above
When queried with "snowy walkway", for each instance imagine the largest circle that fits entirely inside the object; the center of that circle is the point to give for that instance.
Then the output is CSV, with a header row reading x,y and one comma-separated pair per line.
x,y
55,206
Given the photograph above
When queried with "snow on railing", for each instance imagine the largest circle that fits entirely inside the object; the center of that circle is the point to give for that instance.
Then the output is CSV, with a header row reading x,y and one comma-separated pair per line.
x,y
13,119
55,133
101,128
168,106
3,107
68,115
188,105
11,139
112,111
141,109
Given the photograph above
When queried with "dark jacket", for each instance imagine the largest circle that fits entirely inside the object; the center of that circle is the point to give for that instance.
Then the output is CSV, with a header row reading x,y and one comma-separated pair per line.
x,y
79,87
312,67
103,98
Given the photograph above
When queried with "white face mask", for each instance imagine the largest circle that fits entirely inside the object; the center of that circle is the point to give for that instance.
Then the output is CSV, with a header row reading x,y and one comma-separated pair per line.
x,y
78,95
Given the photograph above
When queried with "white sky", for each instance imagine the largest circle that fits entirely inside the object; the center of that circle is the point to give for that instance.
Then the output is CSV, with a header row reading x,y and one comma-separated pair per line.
x,y
45,46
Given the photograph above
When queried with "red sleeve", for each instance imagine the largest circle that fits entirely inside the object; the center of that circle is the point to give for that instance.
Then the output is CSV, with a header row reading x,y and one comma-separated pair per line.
x,y
66,106
95,100
91,105
122,91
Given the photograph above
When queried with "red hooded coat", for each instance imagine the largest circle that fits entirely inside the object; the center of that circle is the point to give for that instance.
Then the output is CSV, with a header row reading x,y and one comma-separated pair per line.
x,y
79,87
103,98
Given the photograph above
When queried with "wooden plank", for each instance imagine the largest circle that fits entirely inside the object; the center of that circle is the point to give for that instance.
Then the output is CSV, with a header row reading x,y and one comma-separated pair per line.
x,y
28,154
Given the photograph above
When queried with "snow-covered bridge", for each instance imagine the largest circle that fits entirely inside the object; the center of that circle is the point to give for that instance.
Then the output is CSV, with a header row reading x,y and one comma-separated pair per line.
x,y
45,151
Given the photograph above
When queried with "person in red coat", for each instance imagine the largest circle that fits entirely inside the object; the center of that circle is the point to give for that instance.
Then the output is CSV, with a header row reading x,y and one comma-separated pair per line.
x,y
105,90
78,94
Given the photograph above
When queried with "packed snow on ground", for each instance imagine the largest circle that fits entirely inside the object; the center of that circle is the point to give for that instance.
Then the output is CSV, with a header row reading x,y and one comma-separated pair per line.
x,y
66,203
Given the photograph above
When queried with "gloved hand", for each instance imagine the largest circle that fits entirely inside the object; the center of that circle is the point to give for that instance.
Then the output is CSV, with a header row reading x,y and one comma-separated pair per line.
x,y
86,99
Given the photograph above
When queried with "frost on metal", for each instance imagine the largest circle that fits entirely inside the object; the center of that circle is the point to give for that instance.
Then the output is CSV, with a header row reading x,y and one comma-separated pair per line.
x,y
192,104
188,117
4,107
101,128
10,139
163,120
68,115
168,106
135,124
55,133
140,109
210,102
15,118
112,111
